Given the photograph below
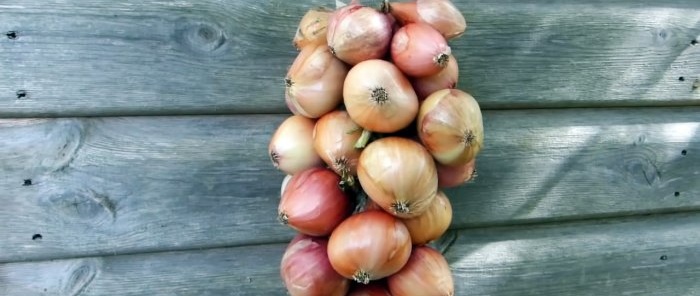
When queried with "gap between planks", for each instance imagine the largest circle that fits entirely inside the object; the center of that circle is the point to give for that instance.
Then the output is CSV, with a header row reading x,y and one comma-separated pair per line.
x,y
525,107
444,243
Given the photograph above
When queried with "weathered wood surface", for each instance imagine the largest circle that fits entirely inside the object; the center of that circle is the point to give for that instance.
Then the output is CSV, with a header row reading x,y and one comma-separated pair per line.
x,y
102,57
655,255
103,186
649,256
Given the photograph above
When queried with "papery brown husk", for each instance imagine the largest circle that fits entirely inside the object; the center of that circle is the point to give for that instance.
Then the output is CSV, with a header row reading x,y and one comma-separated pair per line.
x,y
450,126
306,271
397,172
433,223
312,28
291,148
314,82
426,273
454,176
335,136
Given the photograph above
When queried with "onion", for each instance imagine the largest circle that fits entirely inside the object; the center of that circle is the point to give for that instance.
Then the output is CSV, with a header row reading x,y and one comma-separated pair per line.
x,y
291,148
446,78
451,127
306,271
313,204
312,28
371,289
358,33
418,50
314,83
403,12
453,176
399,175
285,182
335,135
432,224
368,246
426,273
442,15
379,97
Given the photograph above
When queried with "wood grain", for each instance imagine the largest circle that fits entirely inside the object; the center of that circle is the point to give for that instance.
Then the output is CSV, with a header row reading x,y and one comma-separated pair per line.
x,y
550,165
649,256
654,255
102,58
115,185
233,271
100,186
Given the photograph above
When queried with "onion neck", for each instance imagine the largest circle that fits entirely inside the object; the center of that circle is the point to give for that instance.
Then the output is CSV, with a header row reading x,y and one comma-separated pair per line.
x,y
386,7
347,181
364,139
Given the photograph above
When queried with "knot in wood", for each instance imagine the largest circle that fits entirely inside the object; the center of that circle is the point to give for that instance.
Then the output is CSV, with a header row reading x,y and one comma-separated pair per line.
x,y
201,36
81,276
84,205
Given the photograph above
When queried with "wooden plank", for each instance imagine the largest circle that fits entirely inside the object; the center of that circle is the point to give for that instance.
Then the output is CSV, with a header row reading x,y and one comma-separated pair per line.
x,y
234,271
550,165
655,255
136,185
134,57
140,184
650,256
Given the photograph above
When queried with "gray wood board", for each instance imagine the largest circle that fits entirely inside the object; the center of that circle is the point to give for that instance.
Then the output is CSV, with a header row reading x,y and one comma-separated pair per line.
x,y
212,57
656,255
140,184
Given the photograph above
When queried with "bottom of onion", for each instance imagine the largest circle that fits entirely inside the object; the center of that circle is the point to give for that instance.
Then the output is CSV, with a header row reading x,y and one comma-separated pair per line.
x,y
283,218
442,59
468,138
362,277
401,207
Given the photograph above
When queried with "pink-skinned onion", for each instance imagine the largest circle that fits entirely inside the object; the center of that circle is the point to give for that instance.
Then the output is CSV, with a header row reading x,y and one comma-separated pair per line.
x,y
306,271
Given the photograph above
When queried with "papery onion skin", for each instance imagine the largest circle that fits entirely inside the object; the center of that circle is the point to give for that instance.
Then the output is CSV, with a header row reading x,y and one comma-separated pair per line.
x,y
285,182
442,15
419,50
376,288
399,175
313,204
358,33
446,78
312,28
291,148
454,176
427,273
306,271
368,246
335,136
314,82
379,97
432,224
404,12
450,126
